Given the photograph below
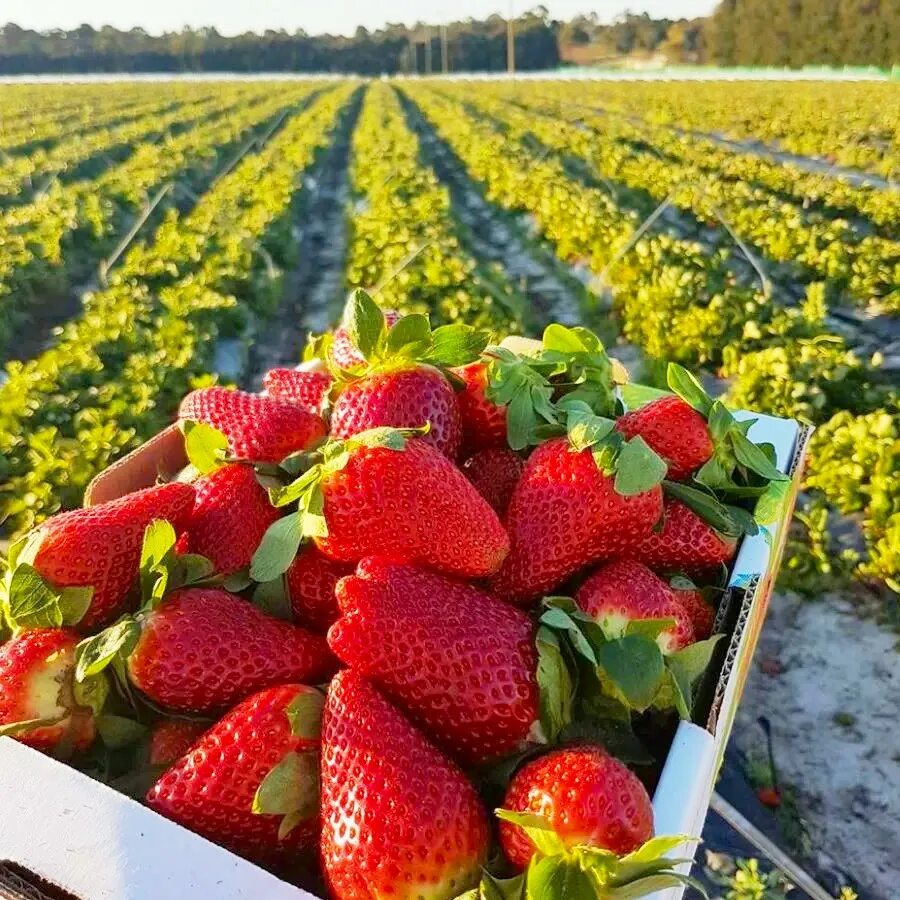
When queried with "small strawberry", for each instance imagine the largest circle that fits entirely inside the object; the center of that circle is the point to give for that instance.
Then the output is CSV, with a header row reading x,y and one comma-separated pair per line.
x,y
305,387
250,783
230,516
170,739
697,606
260,429
461,664
89,558
626,591
495,473
483,420
344,353
401,398
311,581
674,430
383,493
40,703
685,541
571,508
585,795
399,819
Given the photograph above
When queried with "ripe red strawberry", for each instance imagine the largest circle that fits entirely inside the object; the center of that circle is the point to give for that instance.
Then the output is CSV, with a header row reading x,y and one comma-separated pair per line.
x,y
495,473
261,429
100,547
564,515
203,649
411,504
265,748
343,351
231,514
401,398
676,431
702,613
483,421
625,591
37,685
685,541
170,739
587,796
311,581
306,388
458,662
399,819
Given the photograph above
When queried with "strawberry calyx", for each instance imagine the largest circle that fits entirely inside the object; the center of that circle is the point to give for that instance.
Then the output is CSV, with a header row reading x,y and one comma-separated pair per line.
x,y
28,600
626,662
559,872
291,788
730,521
409,342
282,540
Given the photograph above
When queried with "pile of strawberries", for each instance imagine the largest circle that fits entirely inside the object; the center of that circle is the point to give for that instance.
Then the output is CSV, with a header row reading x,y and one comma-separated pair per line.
x,y
419,577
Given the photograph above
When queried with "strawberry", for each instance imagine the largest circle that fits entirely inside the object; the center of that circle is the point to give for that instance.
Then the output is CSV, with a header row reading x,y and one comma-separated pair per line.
x,y
250,783
674,430
261,429
170,739
230,516
588,797
626,591
202,649
495,473
401,398
702,613
311,581
305,387
565,513
384,493
91,556
344,353
399,819
483,420
685,541
458,662
40,704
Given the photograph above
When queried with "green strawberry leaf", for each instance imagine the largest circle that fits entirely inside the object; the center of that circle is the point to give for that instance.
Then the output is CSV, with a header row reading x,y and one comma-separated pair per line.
x,y
538,829
92,692
721,518
493,888
237,581
206,447
391,438
555,686
754,457
631,669
409,337
656,847
649,628
635,396
95,653
456,345
25,549
688,388
291,789
692,661
720,422
562,621
638,468
272,598
117,732
559,877
644,887
157,556
30,601
278,548
587,430
304,713
365,324
318,346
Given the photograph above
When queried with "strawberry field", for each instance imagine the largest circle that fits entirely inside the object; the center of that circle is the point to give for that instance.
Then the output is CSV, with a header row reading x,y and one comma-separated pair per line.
x,y
157,240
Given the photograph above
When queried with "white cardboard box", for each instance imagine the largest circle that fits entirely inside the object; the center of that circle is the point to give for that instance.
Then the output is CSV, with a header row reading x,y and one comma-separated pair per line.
x,y
97,844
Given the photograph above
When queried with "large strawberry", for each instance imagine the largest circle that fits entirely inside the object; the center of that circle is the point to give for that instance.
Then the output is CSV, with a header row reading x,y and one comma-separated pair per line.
x,y
495,472
399,819
306,387
625,591
696,602
87,558
311,581
40,703
250,783
260,429
461,664
577,502
385,493
483,420
170,739
230,516
343,351
585,795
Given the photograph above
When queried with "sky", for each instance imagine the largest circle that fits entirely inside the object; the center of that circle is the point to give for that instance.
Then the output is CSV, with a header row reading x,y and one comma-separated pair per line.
x,y
315,16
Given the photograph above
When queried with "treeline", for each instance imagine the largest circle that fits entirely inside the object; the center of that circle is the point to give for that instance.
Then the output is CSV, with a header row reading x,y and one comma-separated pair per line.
x,y
739,32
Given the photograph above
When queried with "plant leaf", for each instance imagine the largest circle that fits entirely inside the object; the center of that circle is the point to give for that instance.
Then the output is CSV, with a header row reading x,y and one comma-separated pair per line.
x,y
754,458
364,322
118,731
456,345
635,396
632,669
558,878
272,598
638,468
555,686
277,549
92,692
291,787
409,334
95,653
206,447
688,388
30,601
304,713
538,829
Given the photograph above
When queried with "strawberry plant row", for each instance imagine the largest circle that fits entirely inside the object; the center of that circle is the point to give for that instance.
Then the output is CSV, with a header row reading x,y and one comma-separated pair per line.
x,y
51,244
115,374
